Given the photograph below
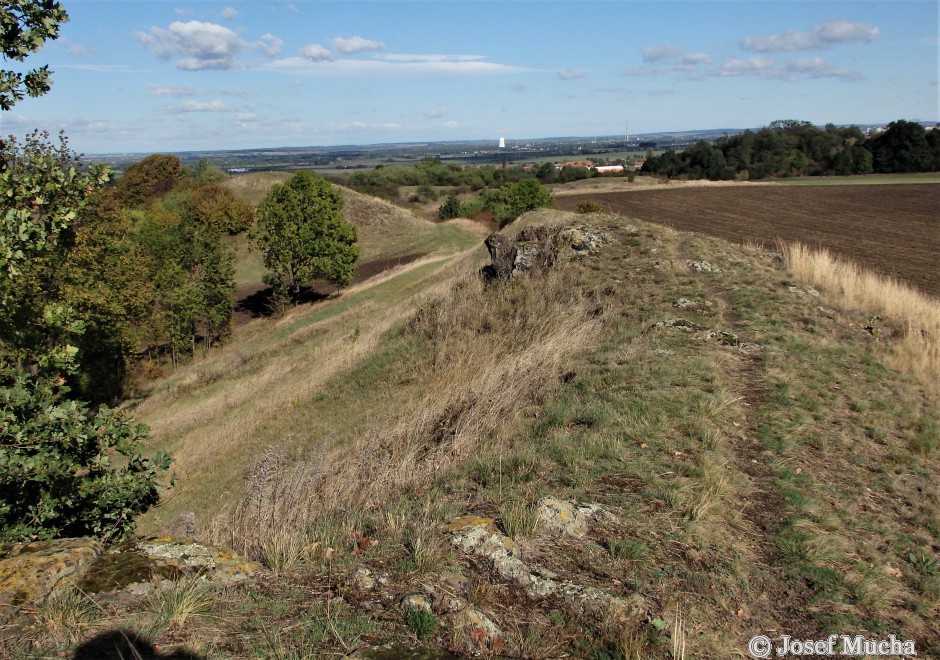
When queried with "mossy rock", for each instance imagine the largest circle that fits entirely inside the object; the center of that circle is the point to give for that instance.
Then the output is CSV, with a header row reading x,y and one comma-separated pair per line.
x,y
31,571
118,570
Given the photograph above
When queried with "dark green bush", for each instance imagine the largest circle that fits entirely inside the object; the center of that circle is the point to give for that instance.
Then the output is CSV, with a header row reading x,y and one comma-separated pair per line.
x,y
590,206
65,471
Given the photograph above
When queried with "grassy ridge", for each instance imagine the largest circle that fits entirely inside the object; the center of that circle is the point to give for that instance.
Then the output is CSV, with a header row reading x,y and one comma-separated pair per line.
x,y
767,464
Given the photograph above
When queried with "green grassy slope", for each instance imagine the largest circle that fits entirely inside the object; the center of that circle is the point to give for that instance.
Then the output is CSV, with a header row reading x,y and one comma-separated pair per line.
x,y
763,470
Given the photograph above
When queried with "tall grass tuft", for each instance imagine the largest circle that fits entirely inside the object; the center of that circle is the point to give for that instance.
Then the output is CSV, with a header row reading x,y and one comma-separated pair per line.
x,y
175,605
65,616
849,285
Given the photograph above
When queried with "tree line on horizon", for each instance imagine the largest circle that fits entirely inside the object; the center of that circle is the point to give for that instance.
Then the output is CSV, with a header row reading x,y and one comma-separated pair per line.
x,y
790,148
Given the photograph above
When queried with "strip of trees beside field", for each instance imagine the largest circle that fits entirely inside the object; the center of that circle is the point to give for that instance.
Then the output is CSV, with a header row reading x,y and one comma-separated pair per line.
x,y
797,148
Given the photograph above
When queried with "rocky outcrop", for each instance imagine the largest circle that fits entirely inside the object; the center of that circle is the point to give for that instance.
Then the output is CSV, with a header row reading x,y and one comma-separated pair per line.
x,y
566,518
478,537
537,248
30,572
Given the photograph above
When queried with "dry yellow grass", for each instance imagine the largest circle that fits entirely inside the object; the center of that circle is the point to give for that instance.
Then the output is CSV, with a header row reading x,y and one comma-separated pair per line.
x,y
223,421
848,285
492,352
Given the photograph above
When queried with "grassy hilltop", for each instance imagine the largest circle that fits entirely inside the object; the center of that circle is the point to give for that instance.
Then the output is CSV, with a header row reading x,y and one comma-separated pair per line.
x,y
754,452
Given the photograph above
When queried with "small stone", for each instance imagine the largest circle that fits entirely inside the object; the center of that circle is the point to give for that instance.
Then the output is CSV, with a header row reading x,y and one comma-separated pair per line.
x,y
702,267
415,602
362,579
565,517
478,626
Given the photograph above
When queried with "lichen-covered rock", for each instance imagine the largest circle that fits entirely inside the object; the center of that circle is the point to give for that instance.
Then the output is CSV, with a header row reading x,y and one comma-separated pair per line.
x,y
581,238
362,579
32,571
220,565
125,569
702,267
538,247
478,628
415,602
722,337
505,556
564,517
464,522
680,324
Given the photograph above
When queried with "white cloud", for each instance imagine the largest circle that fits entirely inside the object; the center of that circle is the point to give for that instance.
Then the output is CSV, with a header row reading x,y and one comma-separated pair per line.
x,y
644,71
696,58
101,68
753,66
229,13
356,45
200,46
435,114
380,68
843,31
241,93
77,50
825,35
776,43
817,67
269,44
402,57
657,57
316,53
570,74
661,53
170,90
196,106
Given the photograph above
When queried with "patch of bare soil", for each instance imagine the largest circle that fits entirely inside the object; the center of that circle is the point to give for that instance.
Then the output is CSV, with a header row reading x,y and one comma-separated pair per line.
x,y
892,229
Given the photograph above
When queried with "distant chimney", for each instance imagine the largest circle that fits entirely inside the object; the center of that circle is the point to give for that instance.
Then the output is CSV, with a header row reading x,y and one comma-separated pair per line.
x,y
502,143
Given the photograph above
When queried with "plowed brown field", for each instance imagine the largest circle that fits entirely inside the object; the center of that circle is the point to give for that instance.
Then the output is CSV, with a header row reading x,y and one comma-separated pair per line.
x,y
894,229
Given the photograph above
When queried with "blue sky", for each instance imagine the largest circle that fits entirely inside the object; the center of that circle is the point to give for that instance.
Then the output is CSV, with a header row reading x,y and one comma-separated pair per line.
x,y
147,76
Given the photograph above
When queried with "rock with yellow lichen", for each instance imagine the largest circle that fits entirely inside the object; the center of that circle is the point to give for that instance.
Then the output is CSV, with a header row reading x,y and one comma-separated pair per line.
x,y
30,572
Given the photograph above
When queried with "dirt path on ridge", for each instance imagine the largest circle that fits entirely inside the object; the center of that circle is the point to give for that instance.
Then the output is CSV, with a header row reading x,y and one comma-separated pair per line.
x,y
763,507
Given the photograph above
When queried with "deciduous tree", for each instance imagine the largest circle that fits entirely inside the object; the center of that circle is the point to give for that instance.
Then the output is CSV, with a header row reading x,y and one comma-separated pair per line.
x,y
303,235
24,27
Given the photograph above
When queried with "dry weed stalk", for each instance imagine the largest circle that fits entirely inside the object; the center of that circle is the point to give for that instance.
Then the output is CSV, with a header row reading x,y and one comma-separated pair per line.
x,y
918,351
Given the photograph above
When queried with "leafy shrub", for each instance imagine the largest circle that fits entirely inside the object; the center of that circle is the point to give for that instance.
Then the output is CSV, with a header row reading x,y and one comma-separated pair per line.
x,y
450,209
511,201
590,206
67,472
